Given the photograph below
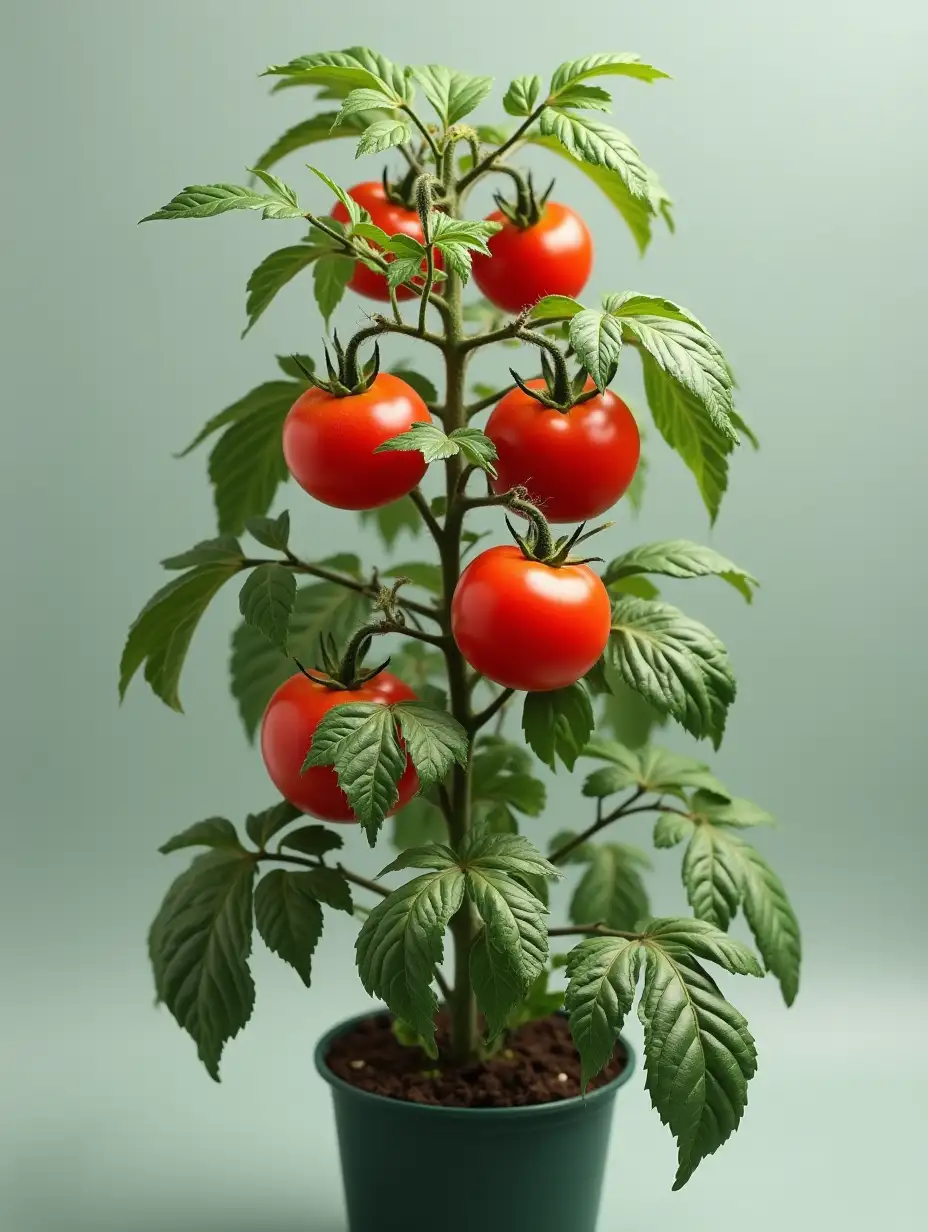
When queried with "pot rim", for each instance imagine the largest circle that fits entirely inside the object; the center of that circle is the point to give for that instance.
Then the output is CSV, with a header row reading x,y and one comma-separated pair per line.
x,y
550,1109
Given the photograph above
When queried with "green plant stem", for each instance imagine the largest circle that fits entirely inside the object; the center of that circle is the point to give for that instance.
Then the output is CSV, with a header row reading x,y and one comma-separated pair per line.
x,y
488,163
490,400
626,809
495,706
591,930
427,516
355,878
325,574
429,141
429,280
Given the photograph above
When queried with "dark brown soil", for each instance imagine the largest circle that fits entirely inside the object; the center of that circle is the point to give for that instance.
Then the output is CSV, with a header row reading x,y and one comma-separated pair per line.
x,y
538,1065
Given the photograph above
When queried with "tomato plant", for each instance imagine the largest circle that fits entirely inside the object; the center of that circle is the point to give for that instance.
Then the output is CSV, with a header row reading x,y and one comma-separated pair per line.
x,y
575,464
290,721
587,647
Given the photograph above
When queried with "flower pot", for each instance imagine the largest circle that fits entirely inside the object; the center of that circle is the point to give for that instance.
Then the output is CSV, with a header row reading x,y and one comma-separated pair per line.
x,y
417,1167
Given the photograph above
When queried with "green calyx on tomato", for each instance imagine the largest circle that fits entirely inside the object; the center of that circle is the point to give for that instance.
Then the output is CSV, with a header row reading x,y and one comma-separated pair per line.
x,y
528,207
539,544
344,672
347,375
557,389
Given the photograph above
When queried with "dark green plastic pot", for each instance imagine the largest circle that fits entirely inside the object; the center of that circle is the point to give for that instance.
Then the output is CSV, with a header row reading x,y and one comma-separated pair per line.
x,y
418,1168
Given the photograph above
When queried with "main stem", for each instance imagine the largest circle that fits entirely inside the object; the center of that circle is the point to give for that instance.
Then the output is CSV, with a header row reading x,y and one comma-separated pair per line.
x,y
465,1034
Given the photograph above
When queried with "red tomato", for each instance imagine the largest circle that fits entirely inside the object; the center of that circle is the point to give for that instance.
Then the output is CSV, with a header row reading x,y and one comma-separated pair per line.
x,y
552,257
329,444
390,218
575,464
291,718
526,625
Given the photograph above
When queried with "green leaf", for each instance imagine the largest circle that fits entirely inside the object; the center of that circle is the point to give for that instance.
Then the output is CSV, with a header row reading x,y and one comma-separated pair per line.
x,y
611,891
355,213
418,824
558,723
594,142
603,975
383,135
540,1002
266,602
730,811
312,840
331,887
589,98
331,275
425,438
522,97
261,827
324,127
224,550
421,384
675,663
500,775
682,938
476,447
434,740
603,64
415,663
683,348
431,855
391,520
470,233
713,875
274,272
627,715
254,402
506,853
208,200
555,307
420,573
699,1056
402,942
681,420
452,94
273,533
355,67
597,339
359,740
680,558
258,668
289,918
671,829
199,946
648,768
634,493
773,922
160,635
363,100
214,832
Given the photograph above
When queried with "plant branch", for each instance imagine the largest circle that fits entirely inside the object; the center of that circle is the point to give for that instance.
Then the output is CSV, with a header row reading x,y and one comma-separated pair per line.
x,y
427,516
488,163
370,589
490,400
355,878
429,140
485,715
600,823
591,930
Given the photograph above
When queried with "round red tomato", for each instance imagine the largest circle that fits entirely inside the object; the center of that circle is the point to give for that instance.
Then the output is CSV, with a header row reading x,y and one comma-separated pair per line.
x,y
552,257
291,718
329,444
526,625
393,219
575,464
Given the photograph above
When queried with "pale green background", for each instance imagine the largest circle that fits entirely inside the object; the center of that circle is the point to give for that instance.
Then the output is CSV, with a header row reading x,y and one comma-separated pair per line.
x,y
793,139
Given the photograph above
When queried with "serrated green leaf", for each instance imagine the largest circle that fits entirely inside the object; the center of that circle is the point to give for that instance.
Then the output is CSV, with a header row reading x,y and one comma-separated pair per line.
x,y
452,94
434,740
558,723
713,875
555,307
425,438
681,419
402,942
363,99
476,447
680,558
584,98
431,855
265,396
421,384
273,533
472,233
732,811
161,633
611,890
208,200
353,68
539,1003
261,827
648,768
603,64
501,776
283,201
355,213
331,275
289,918
603,975
391,520
699,1056
266,602
597,340
773,922
324,127
274,272
258,668
291,365
359,740
682,938
678,665
314,840
199,944
418,824
224,550
671,829
594,142
403,269
625,713
522,97
214,832
511,854
420,573
383,135
331,887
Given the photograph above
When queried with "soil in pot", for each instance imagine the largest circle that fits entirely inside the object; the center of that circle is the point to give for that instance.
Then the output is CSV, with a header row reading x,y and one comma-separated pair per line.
x,y
538,1065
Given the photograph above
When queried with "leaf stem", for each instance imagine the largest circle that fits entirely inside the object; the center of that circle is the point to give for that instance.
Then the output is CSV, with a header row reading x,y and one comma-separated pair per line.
x,y
340,579
365,883
591,930
624,810
487,164
427,516
429,140
488,713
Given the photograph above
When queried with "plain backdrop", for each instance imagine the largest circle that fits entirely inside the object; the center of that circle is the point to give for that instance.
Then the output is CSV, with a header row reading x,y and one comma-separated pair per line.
x,y
792,138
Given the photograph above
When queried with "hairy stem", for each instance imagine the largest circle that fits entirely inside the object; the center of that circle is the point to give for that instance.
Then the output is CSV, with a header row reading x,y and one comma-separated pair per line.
x,y
371,589
488,163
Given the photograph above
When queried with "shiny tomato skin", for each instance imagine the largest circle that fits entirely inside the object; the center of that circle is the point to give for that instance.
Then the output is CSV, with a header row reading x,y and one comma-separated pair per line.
x,y
527,626
552,257
390,218
292,716
575,464
329,444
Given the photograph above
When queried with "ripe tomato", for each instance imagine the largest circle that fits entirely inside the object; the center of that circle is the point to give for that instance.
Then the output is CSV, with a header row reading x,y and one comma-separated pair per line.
x,y
575,464
552,257
291,718
390,218
526,625
329,444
